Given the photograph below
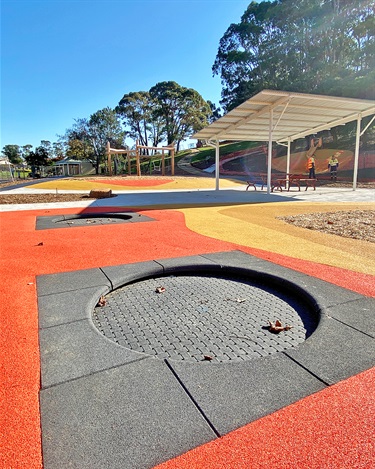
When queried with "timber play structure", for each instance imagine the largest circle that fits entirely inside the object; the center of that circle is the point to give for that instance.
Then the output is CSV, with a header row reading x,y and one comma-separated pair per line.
x,y
141,152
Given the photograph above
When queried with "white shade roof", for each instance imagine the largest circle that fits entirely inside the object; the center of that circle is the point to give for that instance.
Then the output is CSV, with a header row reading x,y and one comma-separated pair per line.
x,y
294,115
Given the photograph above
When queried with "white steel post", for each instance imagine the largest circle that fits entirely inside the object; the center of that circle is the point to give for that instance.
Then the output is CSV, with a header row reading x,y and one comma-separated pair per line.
x,y
288,163
217,166
356,152
269,160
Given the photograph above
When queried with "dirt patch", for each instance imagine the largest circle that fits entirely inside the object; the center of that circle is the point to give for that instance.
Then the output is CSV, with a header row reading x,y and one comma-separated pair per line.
x,y
355,224
42,198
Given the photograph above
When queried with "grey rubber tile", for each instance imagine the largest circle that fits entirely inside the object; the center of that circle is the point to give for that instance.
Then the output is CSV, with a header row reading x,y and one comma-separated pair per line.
x,y
89,219
69,281
326,294
232,395
335,352
359,314
187,264
44,223
77,349
130,417
122,274
65,307
235,258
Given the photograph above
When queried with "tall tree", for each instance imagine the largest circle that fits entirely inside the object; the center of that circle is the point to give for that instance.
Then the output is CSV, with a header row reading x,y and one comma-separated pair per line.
x,y
25,150
77,142
182,110
323,46
136,108
38,158
87,139
104,126
47,145
58,150
215,112
12,153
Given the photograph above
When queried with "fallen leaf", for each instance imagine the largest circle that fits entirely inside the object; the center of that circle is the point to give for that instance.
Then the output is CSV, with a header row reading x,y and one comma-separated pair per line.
x,y
102,301
207,357
277,327
40,244
160,290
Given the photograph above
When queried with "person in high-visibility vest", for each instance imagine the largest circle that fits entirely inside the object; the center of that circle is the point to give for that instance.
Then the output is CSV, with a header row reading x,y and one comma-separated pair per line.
x,y
333,164
311,167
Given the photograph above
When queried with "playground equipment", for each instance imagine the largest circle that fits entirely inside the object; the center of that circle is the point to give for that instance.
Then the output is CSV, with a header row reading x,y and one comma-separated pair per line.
x,y
136,154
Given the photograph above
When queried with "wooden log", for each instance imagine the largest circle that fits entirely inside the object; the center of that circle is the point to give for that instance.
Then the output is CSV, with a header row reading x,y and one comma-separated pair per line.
x,y
101,193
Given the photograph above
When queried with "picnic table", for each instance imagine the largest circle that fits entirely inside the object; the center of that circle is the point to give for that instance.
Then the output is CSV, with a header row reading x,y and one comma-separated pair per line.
x,y
260,179
281,181
297,180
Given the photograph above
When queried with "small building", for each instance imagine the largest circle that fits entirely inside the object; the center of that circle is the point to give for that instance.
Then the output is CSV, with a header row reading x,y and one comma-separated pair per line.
x,y
67,167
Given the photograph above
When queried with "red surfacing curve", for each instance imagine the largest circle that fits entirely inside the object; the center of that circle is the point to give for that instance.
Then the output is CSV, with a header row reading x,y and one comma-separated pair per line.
x,y
135,183
26,253
332,429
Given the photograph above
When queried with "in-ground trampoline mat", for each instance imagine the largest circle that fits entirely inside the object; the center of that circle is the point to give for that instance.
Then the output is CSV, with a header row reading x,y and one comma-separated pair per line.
x,y
204,317
85,219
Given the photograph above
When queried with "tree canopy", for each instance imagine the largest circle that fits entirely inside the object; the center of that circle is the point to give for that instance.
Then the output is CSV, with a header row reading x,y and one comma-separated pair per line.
x,y
12,153
138,112
168,111
182,110
87,139
37,158
319,46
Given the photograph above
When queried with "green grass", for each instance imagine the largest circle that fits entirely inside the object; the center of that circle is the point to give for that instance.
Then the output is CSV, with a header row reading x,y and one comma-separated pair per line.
x,y
206,155
22,174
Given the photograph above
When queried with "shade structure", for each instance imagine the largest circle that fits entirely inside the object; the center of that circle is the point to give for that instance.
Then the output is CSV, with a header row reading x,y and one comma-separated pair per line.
x,y
282,117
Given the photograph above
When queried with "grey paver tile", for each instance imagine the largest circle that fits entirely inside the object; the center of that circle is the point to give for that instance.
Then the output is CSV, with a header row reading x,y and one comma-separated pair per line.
x,y
132,416
234,394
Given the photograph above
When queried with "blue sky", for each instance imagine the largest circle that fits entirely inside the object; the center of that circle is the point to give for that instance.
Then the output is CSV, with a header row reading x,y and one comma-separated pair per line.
x,y
66,59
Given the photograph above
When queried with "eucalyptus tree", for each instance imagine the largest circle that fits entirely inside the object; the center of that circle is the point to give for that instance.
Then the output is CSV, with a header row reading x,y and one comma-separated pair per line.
x,y
320,46
137,110
87,138
58,149
25,150
182,110
38,158
76,141
215,112
104,126
47,145
12,153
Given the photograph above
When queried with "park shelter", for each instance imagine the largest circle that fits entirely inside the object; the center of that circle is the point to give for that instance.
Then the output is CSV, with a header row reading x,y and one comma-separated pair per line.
x,y
282,117
68,167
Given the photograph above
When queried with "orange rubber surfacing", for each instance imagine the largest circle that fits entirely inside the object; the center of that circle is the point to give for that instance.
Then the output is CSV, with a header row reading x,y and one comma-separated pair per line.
x,y
27,253
332,429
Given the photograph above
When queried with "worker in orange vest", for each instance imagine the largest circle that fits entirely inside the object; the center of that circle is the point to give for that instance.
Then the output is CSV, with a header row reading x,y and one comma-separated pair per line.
x,y
311,167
